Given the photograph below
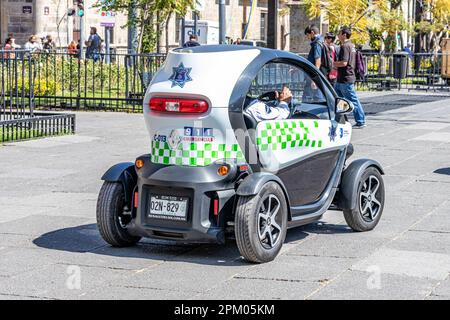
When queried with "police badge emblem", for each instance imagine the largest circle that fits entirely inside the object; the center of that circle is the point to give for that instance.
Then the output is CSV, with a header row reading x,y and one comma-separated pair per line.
x,y
180,76
332,134
174,139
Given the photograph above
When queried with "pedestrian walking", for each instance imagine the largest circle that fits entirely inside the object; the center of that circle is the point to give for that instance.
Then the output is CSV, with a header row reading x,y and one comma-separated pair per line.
x,y
193,42
318,55
49,44
33,44
315,52
72,48
9,49
345,86
14,44
93,45
79,48
329,42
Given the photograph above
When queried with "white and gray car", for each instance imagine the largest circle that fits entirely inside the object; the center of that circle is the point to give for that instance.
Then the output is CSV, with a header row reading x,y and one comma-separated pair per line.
x,y
213,173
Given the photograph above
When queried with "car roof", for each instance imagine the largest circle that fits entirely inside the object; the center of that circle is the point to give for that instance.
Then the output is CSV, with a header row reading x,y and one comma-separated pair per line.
x,y
215,48
267,53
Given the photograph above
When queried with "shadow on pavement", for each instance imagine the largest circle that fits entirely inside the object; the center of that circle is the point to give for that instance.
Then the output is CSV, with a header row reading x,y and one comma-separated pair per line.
x,y
442,171
86,239
325,228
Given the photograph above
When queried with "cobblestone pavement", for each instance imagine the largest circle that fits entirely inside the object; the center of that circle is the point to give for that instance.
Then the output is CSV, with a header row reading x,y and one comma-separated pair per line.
x,y
48,235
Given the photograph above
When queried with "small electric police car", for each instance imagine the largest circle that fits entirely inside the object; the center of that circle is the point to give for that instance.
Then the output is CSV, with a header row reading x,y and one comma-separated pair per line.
x,y
213,172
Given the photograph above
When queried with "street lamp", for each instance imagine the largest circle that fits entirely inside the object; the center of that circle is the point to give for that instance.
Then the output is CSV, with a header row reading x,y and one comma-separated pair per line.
x,y
80,8
222,25
80,5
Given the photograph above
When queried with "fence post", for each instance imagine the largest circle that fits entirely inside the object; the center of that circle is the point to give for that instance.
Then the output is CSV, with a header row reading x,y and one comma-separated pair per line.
x,y
127,64
31,76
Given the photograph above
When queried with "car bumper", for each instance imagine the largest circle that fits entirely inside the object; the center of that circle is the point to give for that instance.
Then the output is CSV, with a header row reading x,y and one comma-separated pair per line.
x,y
201,185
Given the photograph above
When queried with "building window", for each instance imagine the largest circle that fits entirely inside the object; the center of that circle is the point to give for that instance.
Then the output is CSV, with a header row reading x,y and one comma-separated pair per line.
x,y
263,26
111,35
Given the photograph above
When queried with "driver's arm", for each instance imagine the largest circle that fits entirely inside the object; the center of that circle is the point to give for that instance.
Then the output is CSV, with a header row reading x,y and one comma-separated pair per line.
x,y
284,98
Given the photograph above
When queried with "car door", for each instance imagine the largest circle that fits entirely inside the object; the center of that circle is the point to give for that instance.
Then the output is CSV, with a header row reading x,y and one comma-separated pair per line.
x,y
302,150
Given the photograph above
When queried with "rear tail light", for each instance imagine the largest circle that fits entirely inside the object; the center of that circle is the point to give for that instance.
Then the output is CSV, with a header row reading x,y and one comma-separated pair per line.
x,y
136,199
177,105
216,207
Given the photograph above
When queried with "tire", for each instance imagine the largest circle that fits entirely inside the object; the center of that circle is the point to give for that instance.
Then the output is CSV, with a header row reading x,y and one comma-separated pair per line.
x,y
110,207
252,218
368,209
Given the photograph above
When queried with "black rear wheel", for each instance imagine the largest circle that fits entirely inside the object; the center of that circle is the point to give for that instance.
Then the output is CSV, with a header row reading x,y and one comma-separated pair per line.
x,y
261,223
111,216
370,202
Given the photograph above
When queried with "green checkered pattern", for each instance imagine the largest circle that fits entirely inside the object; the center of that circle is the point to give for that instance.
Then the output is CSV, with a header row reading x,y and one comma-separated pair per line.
x,y
279,135
194,154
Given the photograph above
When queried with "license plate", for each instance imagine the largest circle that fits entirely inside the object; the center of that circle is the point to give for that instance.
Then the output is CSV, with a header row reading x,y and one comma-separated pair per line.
x,y
168,207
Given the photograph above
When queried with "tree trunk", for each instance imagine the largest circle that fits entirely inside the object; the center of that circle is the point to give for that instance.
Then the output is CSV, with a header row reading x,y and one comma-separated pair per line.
x,y
158,33
167,31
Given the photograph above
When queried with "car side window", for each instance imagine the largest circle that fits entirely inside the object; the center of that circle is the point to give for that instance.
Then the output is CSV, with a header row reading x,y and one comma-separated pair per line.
x,y
308,99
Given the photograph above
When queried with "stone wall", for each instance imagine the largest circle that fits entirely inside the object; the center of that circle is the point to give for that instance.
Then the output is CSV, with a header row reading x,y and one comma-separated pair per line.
x,y
298,23
45,17
234,20
17,19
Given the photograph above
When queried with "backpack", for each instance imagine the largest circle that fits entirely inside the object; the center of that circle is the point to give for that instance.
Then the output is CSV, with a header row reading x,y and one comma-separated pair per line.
x,y
326,59
360,66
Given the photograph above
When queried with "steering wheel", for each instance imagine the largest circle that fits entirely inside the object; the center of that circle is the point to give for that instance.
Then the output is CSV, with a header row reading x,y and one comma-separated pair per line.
x,y
268,96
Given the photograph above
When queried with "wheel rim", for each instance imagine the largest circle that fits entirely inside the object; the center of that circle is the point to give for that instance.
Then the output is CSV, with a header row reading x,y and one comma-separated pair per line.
x,y
369,199
269,221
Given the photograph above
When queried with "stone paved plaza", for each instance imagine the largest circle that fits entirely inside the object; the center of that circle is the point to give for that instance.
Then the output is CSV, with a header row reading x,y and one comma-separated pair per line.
x,y
48,195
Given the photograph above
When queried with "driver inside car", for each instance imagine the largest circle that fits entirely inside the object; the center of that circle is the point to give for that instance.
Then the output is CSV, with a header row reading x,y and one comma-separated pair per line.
x,y
279,110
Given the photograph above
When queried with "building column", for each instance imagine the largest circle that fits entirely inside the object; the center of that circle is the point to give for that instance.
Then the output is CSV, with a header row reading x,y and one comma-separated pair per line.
x,y
272,24
39,18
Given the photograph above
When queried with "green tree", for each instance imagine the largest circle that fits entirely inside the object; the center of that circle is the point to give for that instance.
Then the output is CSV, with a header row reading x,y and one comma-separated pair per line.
x,y
151,15
434,25
369,20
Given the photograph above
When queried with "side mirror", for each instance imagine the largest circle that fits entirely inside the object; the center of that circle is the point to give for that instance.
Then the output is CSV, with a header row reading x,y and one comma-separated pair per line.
x,y
343,106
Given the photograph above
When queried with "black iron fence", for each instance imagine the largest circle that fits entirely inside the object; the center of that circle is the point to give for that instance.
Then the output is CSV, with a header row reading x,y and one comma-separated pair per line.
x,y
421,71
18,120
400,70
117,82
36,126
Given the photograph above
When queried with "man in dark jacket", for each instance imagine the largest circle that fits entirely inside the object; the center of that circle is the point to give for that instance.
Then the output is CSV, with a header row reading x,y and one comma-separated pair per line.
x,y
193,42
93,45
311,92
315,53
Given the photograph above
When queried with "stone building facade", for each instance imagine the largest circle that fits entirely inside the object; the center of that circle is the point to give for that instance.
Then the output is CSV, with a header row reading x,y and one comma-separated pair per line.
x,y
292,21
298,23
237,14
23,18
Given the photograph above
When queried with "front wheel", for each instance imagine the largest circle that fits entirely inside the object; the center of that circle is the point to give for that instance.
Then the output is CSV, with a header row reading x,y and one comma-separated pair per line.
x,y
370,202
111,217
261,223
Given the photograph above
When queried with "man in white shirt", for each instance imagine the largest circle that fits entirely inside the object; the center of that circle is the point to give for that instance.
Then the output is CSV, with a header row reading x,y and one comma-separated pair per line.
x,y
33,44
261,111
